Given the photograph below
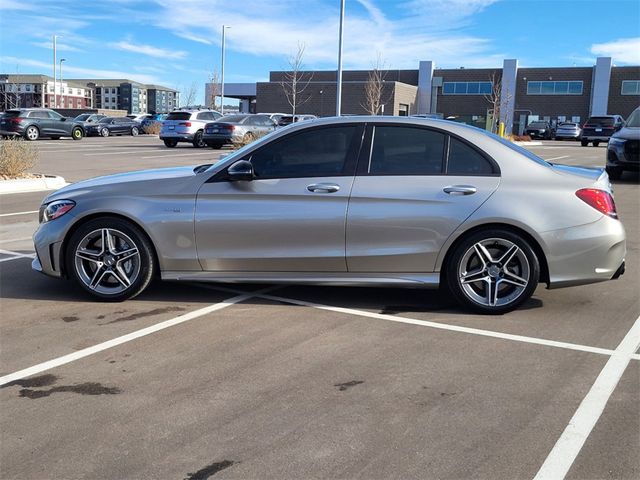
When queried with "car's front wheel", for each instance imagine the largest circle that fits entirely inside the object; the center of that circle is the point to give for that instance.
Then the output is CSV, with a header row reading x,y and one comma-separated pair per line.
x,y
110,258
77,133
31,133
595,144
584,143
492,271
104,132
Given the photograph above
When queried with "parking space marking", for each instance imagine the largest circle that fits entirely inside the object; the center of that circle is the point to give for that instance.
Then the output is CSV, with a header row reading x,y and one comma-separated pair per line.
x,y
110,153
570,443
180,155
430,324
85,352
18,213
556,158
12,240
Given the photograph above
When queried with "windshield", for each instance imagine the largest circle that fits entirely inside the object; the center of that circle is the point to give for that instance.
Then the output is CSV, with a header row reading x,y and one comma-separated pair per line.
x,y
634,119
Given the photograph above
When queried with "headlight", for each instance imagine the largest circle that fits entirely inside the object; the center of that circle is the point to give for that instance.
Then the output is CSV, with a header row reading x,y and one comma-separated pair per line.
x,y
616,140
55,209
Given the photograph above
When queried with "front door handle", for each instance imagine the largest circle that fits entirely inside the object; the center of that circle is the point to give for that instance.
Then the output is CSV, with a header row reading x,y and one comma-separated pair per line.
x,y
323,187
460,189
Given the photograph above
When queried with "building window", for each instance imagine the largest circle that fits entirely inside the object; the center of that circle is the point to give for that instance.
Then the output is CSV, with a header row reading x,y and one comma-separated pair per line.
x,y
630,87
555,88
466,88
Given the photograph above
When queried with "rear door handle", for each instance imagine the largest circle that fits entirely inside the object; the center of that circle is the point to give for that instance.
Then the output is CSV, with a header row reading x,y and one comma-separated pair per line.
x,y
460,189
323,187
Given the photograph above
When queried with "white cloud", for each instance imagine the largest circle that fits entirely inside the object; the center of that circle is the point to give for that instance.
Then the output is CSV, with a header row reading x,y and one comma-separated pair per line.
x,y
59,46
623,51
148,50
412,30
73,71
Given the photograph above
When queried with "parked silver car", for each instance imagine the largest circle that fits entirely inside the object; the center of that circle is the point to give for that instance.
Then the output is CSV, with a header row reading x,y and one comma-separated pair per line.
x,y
186,126
393,201
237,129
568,130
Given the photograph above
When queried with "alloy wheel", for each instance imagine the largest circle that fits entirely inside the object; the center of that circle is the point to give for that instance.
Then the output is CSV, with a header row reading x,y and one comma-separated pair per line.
x,y
494,272
107,261
32,133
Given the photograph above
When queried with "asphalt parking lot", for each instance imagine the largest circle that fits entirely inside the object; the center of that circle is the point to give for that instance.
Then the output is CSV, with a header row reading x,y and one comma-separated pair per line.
x,y
256,381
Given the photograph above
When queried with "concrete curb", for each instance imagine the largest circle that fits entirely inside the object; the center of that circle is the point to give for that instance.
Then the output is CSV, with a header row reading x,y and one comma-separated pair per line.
x,y
529,144
45,182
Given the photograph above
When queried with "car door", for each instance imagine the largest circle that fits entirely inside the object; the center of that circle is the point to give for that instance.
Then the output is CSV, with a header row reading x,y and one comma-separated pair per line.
x,y
291,217
42,120
57,124
413,188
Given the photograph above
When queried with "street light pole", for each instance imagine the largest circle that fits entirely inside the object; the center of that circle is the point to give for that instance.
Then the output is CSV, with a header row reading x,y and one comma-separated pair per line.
x,y
55,99
339,85
224,28
61,86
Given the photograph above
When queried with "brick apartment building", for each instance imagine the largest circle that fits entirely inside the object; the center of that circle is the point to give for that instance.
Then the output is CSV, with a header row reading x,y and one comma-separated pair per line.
x,y
527,94
33,90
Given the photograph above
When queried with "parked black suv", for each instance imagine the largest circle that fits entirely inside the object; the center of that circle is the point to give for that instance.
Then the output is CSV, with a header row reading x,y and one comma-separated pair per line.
x,y
623,151
599,129
33,123
540,129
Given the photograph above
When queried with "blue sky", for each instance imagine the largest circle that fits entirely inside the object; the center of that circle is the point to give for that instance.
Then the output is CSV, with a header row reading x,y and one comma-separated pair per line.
x,y
177,42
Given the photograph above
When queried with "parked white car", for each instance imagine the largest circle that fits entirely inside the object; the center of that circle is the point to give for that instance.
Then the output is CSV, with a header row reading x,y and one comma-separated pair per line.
x,y
186,126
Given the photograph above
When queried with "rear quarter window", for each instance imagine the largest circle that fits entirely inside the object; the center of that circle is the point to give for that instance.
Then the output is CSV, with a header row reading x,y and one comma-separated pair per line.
x,y
465,160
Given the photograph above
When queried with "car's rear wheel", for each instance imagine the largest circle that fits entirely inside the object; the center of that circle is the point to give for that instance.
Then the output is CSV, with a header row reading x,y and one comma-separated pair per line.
x,y
584,143
110,258
596,143
104,132
31,133
492,271
170,143
55,138
615,173
134,131
198,142
216,146
77,133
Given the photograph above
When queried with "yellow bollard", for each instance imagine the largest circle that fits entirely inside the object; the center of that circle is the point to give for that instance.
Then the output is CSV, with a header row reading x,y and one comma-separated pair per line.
x,y
501,129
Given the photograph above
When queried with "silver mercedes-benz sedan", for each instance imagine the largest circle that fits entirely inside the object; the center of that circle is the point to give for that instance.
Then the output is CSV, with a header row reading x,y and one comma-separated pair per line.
x,y
344,201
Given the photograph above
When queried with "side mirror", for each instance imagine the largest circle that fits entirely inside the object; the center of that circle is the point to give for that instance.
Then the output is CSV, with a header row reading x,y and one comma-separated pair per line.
x,y
242,170
64,119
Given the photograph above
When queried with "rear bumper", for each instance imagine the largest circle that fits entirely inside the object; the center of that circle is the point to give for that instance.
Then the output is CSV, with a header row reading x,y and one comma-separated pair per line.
x,y
572,136
217,139
585,254
181,137
598,138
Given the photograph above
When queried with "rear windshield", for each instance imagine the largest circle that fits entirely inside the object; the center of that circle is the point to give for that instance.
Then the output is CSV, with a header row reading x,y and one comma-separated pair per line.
x,y
537,124
233,118
12,114
601,121
179,116
568,125
83,117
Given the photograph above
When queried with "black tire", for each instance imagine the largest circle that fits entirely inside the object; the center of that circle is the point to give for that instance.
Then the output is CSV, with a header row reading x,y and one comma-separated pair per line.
x,y
198,142
615,173
596,143
55,138
105,132
170,143
77,133
510,284
126,236
584,143
31,133
134,131
216,146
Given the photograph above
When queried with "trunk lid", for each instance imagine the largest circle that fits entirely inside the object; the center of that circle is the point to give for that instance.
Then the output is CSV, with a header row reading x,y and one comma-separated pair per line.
x,y
591,176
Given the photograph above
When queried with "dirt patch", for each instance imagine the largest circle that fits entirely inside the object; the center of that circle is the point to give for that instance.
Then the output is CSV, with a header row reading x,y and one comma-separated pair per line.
x,y
148,313
343,386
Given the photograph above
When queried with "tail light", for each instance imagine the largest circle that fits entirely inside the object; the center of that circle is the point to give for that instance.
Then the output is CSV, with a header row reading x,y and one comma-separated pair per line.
x,y
16,120
598,199
185,124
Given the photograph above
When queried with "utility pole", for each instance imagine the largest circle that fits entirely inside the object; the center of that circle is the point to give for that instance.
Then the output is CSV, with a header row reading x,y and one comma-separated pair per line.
x,y
61,86
339,86
224,28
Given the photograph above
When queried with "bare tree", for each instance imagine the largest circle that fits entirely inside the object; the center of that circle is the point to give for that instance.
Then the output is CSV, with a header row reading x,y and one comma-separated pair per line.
x,y
374,87
11,95
190,95
295,81
214,89
495,100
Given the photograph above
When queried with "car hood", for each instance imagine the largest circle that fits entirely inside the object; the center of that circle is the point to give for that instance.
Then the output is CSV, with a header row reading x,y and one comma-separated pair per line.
x,y
122,178
628,133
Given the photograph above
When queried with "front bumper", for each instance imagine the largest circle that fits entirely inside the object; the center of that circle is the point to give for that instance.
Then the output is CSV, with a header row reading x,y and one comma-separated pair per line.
x,y
585,254
597,138
619,155
48,244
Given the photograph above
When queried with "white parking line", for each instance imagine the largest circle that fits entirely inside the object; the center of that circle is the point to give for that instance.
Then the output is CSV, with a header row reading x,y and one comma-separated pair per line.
x,y
14,255
586,416
18,213
12,240
111,153
437,325
181,155
85,352
556,158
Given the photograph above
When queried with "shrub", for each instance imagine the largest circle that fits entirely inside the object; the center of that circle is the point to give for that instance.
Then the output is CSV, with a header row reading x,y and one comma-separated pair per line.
x,y
153,128
519,138
248,138
17,156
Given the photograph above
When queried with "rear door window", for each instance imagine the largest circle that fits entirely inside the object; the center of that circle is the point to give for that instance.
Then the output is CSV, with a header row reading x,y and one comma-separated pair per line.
x,y
465,160
39,114
406,151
